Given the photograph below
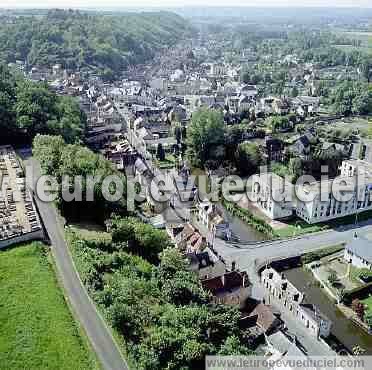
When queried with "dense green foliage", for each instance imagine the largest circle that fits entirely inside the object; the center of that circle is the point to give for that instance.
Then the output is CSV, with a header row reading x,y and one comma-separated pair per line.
x,y
37,330
161,311
330,158
205,136
351,98
145,240
59,159
28,108
249,157
317,255
211,143
76,40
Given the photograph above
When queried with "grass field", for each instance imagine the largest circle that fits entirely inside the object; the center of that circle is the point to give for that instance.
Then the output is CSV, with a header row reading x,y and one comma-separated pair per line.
x,y
368,303
37,330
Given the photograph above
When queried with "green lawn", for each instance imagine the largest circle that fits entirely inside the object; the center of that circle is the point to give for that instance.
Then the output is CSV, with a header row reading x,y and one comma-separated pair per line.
x,y
37,330
168,163
368,303
297,228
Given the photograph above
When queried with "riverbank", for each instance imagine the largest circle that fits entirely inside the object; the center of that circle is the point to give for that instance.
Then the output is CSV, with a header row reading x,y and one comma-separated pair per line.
x,y
291,228
249,218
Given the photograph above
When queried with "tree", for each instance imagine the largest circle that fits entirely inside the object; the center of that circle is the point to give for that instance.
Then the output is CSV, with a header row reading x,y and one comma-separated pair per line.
x,y
102,43
171,262
366,68
204,134
160,153
294,92
279,123
233,347
245,77
358,308
332,277
362,104
178,133
248,158
296,168
60,159
141,239
358,350
368,319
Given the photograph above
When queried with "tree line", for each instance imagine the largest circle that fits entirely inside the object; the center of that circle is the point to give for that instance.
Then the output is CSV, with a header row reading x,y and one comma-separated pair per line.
x,y
88,40
59,159
28,108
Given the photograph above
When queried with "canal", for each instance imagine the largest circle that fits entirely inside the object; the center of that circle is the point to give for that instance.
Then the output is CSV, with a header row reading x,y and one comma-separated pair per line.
x,y
241,229
343,329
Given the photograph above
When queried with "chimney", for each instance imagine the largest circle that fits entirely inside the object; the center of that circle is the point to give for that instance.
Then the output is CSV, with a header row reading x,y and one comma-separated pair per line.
x,y
245,279
223,280
233,265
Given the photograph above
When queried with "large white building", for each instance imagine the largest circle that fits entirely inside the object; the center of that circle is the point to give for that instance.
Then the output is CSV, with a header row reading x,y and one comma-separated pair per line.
x,y
319,201
280,291
267,191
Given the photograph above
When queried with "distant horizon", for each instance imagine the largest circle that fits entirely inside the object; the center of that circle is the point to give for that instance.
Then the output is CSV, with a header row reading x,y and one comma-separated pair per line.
x,y
79,5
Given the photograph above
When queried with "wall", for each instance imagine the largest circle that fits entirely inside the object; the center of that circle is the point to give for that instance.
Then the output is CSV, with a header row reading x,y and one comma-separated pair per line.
x,y
36,235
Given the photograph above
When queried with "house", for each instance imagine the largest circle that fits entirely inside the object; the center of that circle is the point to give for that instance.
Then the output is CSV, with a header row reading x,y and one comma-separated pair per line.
x,y
302,146
306,105
281,106
281,292
283,346
233,102
208,214
206,264
245,103
319,203
186,238
249,91
358,252
231,288
261,315
217,70
274,149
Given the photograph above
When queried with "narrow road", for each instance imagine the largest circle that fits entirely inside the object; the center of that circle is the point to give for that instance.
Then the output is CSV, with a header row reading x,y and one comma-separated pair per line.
x,y
246,254
84,309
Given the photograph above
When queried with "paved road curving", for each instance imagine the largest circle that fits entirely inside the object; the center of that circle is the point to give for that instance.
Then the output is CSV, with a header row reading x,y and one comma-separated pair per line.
x,y
84,309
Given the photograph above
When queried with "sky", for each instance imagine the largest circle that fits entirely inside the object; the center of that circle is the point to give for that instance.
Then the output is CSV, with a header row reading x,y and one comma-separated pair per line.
x,y
177,3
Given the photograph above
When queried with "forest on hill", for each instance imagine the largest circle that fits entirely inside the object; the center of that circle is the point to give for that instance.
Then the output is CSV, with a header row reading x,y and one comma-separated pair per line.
x,y
88,40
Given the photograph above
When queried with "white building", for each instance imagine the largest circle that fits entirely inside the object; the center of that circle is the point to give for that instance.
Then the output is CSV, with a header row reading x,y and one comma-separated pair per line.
x,y
208,214
359,253
268,194
280,291
318,201
248,90
218,70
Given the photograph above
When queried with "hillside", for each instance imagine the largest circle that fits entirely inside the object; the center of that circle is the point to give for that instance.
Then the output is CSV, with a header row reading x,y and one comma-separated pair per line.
x,y
78,40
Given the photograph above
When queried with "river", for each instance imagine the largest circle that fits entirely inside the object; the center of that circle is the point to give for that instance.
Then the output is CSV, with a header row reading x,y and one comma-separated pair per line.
x,y
241,229
343,329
